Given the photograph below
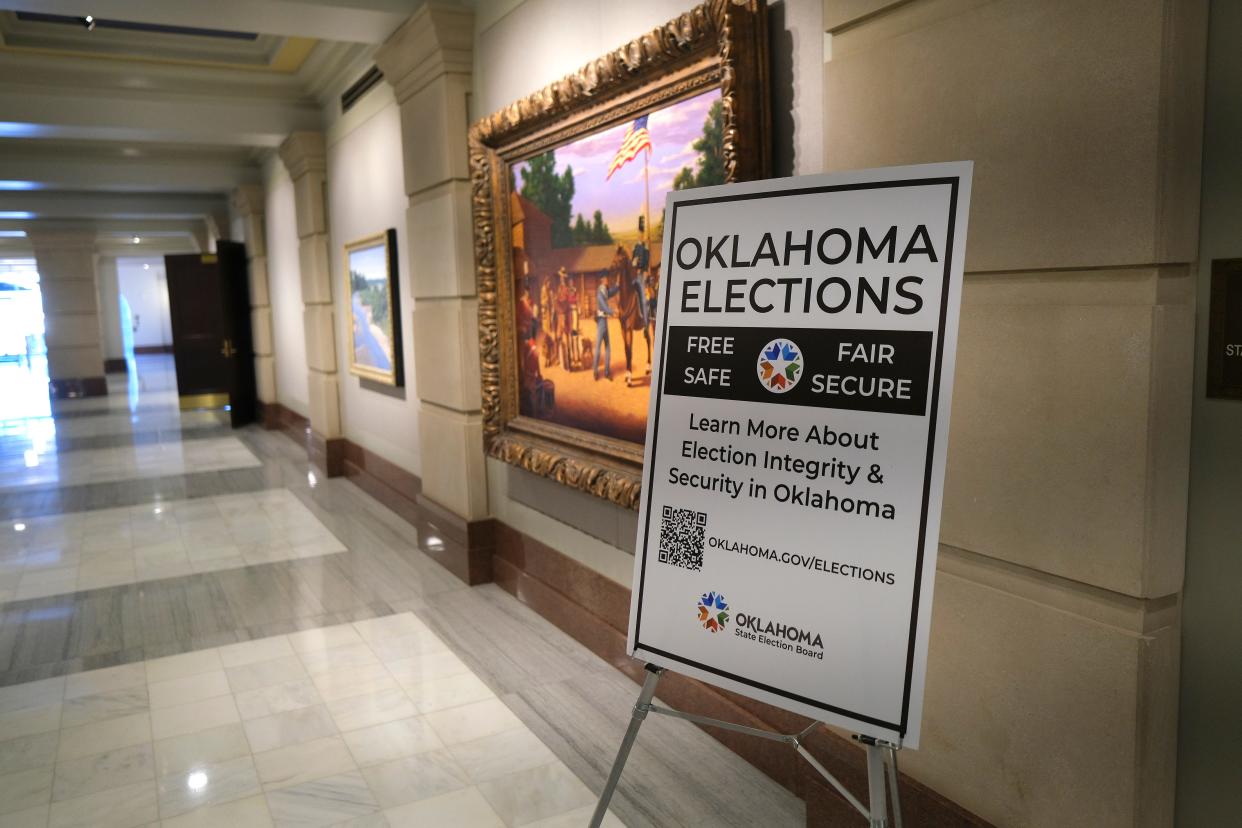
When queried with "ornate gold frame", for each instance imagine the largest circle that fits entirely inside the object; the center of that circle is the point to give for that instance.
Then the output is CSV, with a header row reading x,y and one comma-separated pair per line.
x,y
721,43
388,238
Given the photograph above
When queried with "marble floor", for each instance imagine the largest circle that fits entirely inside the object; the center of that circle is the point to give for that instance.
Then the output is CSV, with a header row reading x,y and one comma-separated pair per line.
x,y
196,642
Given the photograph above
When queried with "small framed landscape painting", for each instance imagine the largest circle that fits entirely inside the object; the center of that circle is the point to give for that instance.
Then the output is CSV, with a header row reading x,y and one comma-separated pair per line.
x,y
374,308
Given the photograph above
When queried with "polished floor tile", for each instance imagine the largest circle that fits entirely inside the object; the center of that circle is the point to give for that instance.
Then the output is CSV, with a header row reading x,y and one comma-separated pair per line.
x,y
202,745
201,644
58,554
108,465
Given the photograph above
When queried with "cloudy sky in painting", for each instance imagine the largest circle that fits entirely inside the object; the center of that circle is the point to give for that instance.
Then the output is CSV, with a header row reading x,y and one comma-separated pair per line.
x,y
371,262
673,129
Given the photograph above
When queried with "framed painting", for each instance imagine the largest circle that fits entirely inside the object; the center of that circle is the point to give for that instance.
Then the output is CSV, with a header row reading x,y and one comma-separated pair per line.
x,y
374,308
568,188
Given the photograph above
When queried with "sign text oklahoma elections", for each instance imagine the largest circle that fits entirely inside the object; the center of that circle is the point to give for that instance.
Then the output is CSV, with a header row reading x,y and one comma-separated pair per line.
x,y
794,463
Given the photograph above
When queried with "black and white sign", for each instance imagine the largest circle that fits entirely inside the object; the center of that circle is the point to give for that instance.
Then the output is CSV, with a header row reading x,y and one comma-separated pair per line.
x,y
795,451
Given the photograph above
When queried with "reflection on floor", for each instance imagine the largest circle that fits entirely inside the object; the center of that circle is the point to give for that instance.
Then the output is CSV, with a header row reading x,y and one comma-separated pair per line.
x,y
321,727
86,550
332,674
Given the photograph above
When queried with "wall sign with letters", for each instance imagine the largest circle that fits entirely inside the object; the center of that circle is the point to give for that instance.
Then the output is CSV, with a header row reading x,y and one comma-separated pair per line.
x,y
1224,377
795,451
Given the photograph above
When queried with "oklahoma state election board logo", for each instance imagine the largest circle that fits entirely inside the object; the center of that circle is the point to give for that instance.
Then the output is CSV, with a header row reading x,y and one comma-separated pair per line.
x,y
780,365
713,611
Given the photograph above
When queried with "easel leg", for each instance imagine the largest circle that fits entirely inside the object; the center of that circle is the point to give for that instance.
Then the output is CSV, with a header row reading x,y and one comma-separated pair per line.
x,y
623,753
892,785
875,786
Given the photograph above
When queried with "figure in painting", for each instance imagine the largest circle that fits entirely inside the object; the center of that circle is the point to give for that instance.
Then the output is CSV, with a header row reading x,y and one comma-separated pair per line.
x,y
603,310
587,245
633,302
566,309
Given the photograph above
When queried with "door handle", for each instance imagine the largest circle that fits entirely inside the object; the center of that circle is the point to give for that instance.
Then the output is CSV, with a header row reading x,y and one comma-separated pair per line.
x,y
227,351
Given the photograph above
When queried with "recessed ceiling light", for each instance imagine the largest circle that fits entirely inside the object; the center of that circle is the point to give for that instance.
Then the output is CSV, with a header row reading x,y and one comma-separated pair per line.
x,y
9,184
196,781
136,240
89,22
19,527
146,267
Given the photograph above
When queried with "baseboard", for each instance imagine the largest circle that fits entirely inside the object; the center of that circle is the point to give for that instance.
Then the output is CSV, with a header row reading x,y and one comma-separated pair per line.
x,y
328,453
73,387
276,417
153,349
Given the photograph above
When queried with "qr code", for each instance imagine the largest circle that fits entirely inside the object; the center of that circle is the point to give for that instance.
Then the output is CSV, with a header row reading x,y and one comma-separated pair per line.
x,y
681,537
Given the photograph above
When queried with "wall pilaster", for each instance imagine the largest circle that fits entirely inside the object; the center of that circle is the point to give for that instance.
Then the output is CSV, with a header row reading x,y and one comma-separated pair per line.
x,y
304,156
428,62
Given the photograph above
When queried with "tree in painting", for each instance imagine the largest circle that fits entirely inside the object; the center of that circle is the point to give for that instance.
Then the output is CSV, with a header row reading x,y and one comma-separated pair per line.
x,y
553,194
711,168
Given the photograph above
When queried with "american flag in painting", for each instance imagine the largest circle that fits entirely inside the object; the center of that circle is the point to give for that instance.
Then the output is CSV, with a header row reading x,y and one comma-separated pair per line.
x,y
637,139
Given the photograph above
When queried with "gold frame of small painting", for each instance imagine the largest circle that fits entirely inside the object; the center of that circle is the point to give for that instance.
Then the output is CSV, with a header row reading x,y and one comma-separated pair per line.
x,y
383,340
719,46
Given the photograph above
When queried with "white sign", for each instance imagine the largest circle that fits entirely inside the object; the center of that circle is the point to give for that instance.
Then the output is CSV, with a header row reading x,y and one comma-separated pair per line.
x,y
795,454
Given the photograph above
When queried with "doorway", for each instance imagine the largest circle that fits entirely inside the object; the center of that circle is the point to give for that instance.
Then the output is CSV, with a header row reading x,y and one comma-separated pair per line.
x,y
209,303
146,326
23,351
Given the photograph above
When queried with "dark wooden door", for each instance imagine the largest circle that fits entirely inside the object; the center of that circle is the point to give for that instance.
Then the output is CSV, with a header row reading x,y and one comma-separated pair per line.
x,y
209,304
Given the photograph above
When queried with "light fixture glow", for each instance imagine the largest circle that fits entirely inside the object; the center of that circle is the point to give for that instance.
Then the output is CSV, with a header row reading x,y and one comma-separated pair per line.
x,y
135,239
32,458
10,184
15,214
12,234
312,480
14,129
196,781
158,510
19,527
146,267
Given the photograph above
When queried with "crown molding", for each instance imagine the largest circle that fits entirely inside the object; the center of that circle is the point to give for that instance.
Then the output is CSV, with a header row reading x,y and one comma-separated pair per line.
x,y
332,67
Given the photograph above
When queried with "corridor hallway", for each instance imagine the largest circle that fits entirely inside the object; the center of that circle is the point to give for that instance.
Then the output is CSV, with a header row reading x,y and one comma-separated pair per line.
x,y
196,629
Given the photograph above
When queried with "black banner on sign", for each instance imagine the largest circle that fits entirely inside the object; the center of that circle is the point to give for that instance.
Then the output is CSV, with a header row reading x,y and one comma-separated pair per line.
x,y
856,370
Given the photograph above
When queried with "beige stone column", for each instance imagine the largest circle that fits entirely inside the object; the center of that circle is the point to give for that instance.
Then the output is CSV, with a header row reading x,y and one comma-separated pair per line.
x,y
428,62
248,204
305,158
66,262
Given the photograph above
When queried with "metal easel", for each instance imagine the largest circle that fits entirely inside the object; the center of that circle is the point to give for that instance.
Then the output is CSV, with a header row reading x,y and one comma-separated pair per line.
x,y
881,758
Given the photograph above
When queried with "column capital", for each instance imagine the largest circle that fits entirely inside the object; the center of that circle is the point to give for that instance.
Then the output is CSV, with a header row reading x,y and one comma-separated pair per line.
x,y
436,40
247,200
304,152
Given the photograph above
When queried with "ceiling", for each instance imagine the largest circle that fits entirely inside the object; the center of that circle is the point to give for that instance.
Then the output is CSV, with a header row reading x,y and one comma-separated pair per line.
x,y
141,124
